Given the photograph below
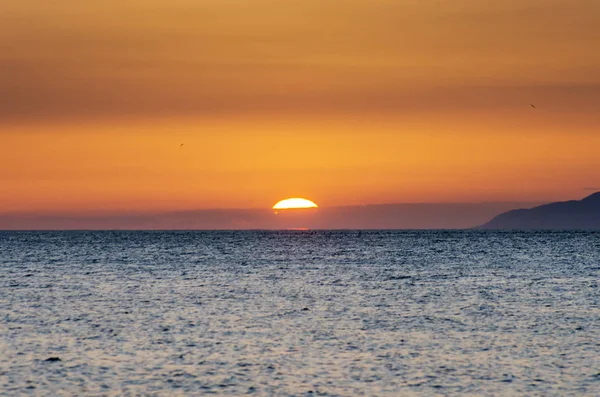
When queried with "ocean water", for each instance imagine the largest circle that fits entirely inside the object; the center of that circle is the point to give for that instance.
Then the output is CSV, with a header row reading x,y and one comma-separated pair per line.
x,y
300,313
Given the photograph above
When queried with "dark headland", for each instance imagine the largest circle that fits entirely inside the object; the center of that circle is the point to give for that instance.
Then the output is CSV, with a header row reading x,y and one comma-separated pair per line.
x,y
569,215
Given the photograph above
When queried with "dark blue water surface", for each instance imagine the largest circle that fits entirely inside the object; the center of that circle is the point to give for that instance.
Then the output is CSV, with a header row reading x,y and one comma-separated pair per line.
x,y
378,313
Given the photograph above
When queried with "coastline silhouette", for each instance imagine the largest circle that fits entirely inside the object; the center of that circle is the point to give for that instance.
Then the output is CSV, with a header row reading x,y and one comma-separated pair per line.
x,y
568,215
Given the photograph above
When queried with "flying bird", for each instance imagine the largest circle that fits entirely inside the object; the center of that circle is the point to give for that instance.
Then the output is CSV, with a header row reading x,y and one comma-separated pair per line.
x,y
181,145
531,104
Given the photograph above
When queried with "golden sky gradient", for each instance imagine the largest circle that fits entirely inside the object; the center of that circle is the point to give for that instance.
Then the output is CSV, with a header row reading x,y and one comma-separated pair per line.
x,y
339,101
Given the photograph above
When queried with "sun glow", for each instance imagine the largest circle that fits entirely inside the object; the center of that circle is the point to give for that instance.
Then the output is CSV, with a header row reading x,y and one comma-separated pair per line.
x,y
293,203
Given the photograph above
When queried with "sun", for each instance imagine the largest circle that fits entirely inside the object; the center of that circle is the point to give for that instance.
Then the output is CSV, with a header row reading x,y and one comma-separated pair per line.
x,y
294,203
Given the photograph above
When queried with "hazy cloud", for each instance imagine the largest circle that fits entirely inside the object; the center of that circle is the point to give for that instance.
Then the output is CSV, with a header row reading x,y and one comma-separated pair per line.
x,y
94,60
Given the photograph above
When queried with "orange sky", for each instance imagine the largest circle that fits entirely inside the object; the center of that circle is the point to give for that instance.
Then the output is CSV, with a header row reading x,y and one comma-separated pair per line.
x,y
340,101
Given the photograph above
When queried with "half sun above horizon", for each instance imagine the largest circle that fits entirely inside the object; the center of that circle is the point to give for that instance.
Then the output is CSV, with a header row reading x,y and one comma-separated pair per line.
x,y
294,203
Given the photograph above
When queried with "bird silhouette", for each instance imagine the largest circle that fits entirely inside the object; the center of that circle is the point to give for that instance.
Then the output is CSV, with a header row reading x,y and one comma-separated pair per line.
x,y
532,105
181,145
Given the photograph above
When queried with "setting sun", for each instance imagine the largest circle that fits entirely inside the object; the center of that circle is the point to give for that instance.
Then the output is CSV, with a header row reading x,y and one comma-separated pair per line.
x,y
293,203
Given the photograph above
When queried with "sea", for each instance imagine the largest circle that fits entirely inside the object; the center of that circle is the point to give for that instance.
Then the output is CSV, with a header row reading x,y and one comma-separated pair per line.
x,y
299,313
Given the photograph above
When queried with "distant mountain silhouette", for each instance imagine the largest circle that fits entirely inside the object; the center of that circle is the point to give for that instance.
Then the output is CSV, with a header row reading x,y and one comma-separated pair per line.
x,y
569,215
377,216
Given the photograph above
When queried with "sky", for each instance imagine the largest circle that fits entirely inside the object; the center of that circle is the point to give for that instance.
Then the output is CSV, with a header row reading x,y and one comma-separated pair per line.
x,y
344,102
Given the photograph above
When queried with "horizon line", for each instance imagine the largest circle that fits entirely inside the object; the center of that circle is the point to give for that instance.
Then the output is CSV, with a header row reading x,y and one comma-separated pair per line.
x,y
133,211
